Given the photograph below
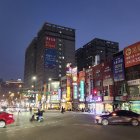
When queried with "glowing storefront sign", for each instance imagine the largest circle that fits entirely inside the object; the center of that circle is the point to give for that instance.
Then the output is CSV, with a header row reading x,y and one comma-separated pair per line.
x,y
75,91
132,55
97,98
59,93
68,93
81,90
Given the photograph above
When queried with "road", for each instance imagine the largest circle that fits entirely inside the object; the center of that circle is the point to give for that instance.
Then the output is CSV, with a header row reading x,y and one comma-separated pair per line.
x,y
67,126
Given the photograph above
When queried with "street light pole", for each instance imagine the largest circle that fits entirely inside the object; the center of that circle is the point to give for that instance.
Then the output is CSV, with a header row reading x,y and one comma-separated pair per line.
x,y
34,80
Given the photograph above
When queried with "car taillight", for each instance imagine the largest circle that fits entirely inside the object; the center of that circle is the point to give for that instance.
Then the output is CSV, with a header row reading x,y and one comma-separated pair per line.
x,y
10,116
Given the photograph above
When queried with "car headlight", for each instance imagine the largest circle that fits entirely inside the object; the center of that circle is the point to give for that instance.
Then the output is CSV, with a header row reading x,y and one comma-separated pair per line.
x,y
97,117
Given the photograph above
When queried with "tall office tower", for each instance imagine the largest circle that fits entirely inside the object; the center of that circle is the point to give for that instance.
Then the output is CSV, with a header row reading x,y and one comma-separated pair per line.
x,y
30,63
47,55
95,52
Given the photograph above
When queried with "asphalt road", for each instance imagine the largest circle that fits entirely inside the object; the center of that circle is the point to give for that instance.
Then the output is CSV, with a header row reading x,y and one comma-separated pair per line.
x,y
67,126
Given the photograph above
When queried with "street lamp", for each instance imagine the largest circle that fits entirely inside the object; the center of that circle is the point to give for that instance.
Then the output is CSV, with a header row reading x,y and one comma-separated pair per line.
x,y
50,79
34,78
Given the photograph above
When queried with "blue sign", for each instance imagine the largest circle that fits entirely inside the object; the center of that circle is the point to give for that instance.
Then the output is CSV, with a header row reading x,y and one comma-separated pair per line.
x,y
50,58
118,68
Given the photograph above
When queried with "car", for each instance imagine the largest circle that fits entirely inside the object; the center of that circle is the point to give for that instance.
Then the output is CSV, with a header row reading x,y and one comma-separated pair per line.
x,y
5,119
119,117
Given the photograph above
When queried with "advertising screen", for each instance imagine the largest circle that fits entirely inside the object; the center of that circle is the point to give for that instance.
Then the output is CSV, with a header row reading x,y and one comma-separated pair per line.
x,y
118,68
50,42
132,55
50,58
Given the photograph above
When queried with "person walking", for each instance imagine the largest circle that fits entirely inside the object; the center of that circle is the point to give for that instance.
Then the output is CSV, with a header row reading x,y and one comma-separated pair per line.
x,y
19,112
30,110
62,110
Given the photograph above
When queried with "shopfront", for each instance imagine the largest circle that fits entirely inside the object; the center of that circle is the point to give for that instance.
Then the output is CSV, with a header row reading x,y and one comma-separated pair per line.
x,y
134,87
135,106
108,103
95,104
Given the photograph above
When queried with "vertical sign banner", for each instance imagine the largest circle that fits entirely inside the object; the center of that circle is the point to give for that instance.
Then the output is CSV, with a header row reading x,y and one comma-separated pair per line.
x,y
75,91
68,93
118,68
50,58
132,55
50,42
59,94
82,91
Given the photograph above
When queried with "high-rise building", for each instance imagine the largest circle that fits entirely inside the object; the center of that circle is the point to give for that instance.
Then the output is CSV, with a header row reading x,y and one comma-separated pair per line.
x,y
47,55
95,52
30,63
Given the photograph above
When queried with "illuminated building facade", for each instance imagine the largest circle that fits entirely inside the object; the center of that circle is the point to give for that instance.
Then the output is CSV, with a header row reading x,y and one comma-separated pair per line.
x,y
132,68
69,88
46,57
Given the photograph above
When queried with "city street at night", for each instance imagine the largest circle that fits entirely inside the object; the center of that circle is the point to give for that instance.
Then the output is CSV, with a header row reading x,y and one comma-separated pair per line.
x,y
69,70
67,126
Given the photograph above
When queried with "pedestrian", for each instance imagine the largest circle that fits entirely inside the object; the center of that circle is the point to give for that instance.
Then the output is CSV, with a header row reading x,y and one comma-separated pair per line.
x,y
62,110
19,111
30,110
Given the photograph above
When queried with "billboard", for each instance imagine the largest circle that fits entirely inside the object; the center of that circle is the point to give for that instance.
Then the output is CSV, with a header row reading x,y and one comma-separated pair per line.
x,y
118,68
132,55
82,90
50,58
50,42
75,91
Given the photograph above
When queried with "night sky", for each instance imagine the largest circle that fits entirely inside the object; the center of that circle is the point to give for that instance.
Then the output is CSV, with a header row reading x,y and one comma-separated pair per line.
x,y
20,21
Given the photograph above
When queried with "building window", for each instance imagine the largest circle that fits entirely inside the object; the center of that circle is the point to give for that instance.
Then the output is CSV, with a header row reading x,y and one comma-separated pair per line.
x,y
60,66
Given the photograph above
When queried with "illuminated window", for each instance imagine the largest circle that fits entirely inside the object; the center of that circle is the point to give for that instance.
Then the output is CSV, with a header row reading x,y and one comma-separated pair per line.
x,y
60,66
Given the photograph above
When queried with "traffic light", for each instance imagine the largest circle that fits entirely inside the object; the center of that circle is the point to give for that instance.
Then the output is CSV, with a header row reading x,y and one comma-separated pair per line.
x,y
94,92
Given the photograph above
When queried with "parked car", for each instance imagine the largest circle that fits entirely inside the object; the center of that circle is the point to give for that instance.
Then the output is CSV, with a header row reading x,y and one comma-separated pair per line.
x,y
5,119
119,117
